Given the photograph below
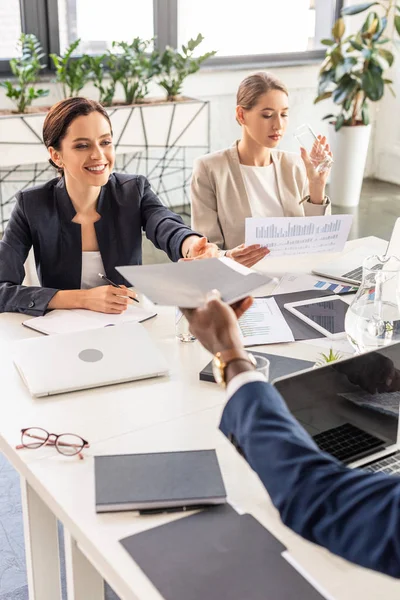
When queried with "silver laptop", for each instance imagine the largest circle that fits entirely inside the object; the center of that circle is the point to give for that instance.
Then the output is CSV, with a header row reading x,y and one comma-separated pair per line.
x,y
75,361
349,266
338,407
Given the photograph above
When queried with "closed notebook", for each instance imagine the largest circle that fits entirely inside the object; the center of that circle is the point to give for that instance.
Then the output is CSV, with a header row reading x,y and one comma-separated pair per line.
x,y
158,480
279,366
217,554
68,321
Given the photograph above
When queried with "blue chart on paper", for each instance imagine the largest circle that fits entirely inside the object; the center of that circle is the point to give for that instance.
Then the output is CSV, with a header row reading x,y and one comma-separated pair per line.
x,y
335,288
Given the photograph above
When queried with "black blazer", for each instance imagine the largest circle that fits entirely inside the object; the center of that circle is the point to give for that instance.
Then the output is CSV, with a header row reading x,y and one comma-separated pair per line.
x,y
42,218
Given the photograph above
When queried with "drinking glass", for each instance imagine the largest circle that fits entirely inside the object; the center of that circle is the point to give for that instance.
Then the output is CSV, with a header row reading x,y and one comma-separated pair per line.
x,y
308,140
373,318
262,365
182,331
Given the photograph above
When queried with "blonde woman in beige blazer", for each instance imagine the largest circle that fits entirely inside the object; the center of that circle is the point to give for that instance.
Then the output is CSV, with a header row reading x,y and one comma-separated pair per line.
x,y
253,178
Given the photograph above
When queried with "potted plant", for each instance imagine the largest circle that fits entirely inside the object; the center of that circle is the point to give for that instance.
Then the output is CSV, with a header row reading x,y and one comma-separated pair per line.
x,y
26,69
353,75
134,67
72,73
177,66
330,357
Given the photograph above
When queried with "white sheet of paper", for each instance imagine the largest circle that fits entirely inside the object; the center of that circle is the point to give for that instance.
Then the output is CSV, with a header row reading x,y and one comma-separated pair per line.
x,y
67,321
286,236
264,323
186,284
292,561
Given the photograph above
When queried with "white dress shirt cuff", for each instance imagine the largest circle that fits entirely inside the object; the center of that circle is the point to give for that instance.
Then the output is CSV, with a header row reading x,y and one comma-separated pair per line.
x,y
242,379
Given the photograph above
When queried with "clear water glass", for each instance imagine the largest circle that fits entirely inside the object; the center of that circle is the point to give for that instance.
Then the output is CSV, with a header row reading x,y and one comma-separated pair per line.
x,y
308,140
262,365
373,319
182,331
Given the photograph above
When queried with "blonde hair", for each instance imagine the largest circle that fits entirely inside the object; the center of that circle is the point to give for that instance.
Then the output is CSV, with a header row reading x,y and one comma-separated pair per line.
x,y
254,86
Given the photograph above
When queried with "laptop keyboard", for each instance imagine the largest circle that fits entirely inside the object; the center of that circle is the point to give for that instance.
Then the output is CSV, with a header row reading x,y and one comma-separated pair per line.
x,y
346,441
388,464
356,274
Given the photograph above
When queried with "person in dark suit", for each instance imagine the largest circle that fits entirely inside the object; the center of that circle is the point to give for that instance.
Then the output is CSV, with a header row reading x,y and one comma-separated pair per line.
x,y
85,222
353,513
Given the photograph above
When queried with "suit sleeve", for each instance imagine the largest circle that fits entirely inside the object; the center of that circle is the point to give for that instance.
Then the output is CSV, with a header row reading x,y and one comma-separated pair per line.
x,y
164,228
316,496
204,205
14,249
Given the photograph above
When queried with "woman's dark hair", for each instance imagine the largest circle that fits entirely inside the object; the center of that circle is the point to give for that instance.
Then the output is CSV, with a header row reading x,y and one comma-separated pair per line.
x,y
254,86
60,117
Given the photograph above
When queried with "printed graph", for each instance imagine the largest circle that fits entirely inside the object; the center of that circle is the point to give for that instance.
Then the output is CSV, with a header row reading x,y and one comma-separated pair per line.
x,y
286,236
292,229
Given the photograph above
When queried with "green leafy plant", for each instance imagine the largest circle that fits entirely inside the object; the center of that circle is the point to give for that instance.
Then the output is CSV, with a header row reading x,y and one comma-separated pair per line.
x,y
72,73
177,66
133,66
26,69
332,356
353,72
96,66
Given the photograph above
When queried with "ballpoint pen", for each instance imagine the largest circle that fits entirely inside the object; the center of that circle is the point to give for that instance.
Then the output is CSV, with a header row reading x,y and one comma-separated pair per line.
x,y
172,509
114,284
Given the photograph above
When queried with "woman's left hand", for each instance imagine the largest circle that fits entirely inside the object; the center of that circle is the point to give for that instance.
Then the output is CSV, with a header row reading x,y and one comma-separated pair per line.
x,y
201,248
316,180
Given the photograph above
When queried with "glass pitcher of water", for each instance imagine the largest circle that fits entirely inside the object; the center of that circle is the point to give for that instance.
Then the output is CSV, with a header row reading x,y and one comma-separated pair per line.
x,y
373,318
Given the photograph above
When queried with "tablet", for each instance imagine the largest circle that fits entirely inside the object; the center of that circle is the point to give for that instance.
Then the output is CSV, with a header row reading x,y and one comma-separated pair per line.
x,y
326,314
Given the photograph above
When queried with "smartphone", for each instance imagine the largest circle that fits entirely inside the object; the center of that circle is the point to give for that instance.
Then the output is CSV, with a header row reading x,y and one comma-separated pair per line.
x,y
326,314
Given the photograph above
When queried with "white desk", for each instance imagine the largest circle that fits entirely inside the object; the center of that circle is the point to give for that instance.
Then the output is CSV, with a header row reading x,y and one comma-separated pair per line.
x,y
174,413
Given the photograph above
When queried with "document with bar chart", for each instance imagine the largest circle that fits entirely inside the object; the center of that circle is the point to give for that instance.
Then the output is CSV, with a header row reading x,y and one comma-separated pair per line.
x,y
286,236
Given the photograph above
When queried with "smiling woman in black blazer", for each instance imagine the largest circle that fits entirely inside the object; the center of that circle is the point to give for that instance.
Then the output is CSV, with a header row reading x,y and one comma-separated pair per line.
x,y
87,221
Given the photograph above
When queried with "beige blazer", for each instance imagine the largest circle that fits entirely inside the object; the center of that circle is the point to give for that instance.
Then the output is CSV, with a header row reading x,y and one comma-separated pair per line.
x,y
219,200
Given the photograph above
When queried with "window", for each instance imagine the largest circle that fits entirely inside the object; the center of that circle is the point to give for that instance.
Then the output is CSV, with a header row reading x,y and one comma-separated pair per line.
x,y
257,28
10,28
258,31
98,23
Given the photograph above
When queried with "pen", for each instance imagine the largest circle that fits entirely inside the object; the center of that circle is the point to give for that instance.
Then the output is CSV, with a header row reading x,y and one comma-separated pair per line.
x,y
172,509
114,284
347,292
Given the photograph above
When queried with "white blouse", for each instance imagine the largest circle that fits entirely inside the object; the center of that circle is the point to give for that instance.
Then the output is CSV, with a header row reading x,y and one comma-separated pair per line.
x,y
92,265
262,191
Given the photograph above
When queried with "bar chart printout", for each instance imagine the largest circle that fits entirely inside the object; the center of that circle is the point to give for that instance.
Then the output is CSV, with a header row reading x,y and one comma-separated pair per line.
x,y
299,235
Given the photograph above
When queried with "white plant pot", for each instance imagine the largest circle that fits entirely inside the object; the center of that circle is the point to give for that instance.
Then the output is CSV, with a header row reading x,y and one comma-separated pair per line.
x,y
349,147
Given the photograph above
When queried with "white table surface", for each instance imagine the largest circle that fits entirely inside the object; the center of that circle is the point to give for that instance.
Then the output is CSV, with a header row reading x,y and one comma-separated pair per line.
x,y
170,413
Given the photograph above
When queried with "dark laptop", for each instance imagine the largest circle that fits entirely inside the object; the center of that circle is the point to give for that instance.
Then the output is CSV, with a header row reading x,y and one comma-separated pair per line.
x,y
348,409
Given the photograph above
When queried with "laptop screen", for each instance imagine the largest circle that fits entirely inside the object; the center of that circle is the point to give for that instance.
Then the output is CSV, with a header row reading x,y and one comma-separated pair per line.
x,y
350,408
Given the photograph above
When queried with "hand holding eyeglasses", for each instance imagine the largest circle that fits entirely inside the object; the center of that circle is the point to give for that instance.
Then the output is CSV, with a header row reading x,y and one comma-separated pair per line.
x,y
68,444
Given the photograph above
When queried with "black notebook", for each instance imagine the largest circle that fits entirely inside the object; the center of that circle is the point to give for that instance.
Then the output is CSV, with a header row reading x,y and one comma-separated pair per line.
x,y
158,480
217,554
279,366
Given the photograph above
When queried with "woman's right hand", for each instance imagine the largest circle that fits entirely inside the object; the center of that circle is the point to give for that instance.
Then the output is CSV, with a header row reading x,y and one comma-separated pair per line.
x,y
107,299
247,255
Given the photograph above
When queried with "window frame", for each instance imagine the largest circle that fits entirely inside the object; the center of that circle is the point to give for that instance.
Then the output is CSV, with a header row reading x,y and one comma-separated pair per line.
x,y
41,18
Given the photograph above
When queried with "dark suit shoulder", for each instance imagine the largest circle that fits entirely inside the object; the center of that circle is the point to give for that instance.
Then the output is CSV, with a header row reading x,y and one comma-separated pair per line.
x,y
39,192
127,179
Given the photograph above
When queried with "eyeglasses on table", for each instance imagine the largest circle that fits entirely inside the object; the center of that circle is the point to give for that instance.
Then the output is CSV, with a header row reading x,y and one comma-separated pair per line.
x,y
68,444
